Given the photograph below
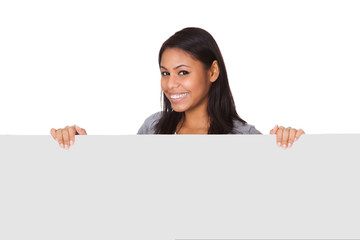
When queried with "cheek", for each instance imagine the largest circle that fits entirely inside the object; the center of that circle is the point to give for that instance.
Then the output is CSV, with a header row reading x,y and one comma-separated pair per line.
x,y
163,84
199,85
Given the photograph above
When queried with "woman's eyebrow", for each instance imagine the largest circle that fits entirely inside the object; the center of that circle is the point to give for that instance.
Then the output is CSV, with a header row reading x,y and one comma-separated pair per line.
x,y
181,65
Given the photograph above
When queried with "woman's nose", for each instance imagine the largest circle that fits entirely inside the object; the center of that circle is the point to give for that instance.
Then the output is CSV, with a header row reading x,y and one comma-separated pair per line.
x,y
173,82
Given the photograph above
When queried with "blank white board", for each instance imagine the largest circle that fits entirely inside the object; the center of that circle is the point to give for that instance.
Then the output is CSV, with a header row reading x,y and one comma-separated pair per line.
x,y
180,187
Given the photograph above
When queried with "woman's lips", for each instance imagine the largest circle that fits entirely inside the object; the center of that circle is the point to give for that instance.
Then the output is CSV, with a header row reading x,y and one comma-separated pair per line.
x,y
177,97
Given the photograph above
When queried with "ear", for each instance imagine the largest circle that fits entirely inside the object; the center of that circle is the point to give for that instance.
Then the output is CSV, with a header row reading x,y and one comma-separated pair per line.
x,y
214,71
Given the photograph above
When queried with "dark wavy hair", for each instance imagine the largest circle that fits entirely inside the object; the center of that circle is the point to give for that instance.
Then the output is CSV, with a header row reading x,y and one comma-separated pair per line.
x,y
221,107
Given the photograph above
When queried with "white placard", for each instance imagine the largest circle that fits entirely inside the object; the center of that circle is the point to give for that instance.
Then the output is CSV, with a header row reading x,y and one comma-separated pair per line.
x,y
180,187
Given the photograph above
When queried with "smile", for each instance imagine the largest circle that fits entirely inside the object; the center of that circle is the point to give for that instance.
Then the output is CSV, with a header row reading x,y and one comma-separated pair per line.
x,y
178,97
175,96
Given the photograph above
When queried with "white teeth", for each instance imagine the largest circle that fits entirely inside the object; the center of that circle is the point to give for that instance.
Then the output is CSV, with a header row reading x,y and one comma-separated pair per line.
x,y
179,96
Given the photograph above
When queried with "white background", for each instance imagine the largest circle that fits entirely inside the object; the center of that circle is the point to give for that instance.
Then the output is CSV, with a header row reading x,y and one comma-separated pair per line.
x,y
94,63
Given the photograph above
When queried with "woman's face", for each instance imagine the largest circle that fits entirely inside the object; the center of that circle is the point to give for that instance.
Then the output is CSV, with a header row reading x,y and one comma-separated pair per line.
x,y
184,80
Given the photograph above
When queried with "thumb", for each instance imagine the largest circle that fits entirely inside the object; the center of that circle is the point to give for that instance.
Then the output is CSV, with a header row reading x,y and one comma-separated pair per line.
x,y
80,130
274,130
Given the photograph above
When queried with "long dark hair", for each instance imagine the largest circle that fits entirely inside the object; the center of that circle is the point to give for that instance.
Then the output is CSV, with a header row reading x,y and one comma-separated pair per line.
x,y
221,107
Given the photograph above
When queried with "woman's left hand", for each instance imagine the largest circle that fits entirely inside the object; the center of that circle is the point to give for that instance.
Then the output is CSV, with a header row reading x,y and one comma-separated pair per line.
x,y
285,137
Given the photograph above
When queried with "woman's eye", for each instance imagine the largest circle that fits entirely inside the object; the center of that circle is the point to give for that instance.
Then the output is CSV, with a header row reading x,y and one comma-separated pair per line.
x,y
165,73
183,72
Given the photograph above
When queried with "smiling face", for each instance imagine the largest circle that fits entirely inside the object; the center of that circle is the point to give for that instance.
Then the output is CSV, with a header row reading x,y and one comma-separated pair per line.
x,y
184,80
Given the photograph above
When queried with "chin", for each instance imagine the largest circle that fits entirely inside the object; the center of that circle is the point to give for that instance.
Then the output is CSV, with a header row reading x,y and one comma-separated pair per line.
x,y
179,109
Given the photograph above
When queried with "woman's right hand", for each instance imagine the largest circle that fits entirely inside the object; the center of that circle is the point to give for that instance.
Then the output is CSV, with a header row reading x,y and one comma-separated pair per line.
x,y
66,136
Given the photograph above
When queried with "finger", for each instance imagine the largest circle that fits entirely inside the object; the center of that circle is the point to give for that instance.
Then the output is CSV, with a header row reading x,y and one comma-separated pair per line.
x,y
66,138
285,138
72,132
273,131
298,134
59,138
80,130
84,131
279,134
53,133
292,137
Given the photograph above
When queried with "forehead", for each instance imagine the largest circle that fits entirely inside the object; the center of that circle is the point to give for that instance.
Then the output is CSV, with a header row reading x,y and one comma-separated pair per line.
x,y
176,56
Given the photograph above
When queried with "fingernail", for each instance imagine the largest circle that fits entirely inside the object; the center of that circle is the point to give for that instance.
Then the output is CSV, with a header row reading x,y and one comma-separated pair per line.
x,y
62,145
71,143
284,146
279,144
66,147
290,145
295,139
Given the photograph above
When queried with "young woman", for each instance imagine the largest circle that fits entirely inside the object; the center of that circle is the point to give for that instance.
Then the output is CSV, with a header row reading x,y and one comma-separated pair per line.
x,y
196,94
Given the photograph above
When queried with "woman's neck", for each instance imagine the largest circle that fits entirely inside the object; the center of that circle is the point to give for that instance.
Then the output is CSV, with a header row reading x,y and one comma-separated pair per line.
x,y
194,122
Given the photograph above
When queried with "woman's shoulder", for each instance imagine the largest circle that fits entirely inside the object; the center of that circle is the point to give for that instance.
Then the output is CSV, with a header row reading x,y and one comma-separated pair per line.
x,y
244,128
148,126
